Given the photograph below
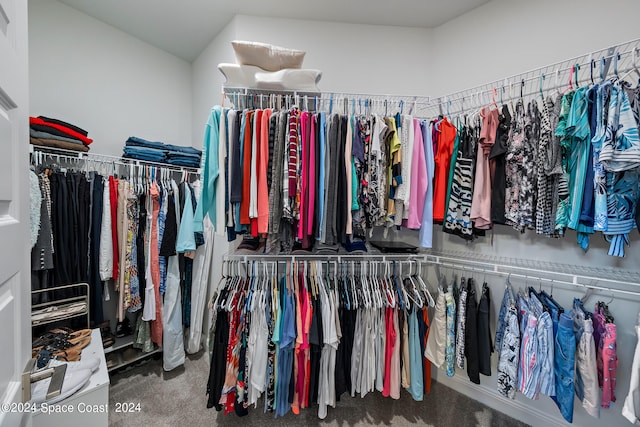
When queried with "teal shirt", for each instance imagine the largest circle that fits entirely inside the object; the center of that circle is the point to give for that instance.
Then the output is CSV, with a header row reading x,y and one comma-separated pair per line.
x,y
207,203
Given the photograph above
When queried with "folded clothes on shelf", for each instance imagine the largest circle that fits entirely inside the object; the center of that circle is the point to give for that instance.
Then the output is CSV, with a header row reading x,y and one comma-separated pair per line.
x,y
55,128
144,153
65,124
57,312
46,135
57,143
155,151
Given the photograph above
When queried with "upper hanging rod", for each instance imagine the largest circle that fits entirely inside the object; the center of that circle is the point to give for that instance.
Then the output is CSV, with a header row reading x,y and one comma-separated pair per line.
x,y
243,91
266,97
325,257
103,158
624,57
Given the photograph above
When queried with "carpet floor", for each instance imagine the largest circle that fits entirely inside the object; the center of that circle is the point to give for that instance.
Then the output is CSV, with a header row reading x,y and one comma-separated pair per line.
x,y
178,398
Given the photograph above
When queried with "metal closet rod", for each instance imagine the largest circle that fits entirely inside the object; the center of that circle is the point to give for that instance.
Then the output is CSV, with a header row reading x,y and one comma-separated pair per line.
x,y
106,159
530,92
325,257
241,91
366,100
535,273
452,262
545,279
622,50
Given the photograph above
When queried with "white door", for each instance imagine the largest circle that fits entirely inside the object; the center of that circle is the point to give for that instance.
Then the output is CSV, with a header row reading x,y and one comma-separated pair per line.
x,y
15,282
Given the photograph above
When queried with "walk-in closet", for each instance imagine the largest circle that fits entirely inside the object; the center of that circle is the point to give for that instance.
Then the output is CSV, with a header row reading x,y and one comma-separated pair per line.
x,y
413,213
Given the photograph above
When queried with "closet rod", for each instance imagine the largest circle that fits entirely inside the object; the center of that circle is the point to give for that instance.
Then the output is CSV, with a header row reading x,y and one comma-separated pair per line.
x,y
463,106
323,97
103,158
628,50
545,279
538,273
325,257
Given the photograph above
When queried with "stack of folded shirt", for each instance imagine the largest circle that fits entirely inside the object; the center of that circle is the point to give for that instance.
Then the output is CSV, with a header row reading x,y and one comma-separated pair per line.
x,y
141,149
55,133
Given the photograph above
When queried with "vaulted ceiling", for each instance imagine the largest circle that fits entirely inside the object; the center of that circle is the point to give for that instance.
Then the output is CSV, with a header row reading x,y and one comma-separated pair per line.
x,y
185,28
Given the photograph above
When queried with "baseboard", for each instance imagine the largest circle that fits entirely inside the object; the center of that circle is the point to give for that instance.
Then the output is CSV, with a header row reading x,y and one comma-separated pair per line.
x,y
514,408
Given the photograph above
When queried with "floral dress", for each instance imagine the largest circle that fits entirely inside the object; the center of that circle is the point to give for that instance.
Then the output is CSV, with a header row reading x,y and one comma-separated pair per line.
x,y
520,169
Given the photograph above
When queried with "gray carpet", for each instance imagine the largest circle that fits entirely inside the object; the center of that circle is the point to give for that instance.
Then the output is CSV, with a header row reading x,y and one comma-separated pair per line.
x,y
178,398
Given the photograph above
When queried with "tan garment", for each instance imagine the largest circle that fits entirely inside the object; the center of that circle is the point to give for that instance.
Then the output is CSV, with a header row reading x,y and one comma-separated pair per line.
x,y
395,360
55,143
436,342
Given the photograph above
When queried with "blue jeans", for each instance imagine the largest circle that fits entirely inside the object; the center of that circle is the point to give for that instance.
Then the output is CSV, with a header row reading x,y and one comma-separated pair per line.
x,y
565,356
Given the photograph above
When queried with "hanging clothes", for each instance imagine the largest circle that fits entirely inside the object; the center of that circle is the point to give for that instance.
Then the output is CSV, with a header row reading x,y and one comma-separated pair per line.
x,y
446,141
459,208
481,203
631,407
497,165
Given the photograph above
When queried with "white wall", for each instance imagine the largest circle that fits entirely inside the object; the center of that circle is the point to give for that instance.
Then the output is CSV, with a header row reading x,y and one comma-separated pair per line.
x,y
506,37
208,80
206,92
111,84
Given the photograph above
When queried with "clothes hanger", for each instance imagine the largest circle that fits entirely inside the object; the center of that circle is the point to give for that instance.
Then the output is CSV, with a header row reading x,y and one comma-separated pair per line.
x,y
602,73
542,77
418,300
343,287
429,299
493,98
570,83
374,281
366,296
390,293
634,56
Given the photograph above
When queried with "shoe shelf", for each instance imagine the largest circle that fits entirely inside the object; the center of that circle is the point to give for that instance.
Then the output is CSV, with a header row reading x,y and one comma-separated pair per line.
x,y
119,344
122,353
60,309
123,360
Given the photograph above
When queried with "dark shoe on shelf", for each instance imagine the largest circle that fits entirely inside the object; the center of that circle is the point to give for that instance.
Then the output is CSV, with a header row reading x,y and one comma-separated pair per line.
x,y
123,328
108,339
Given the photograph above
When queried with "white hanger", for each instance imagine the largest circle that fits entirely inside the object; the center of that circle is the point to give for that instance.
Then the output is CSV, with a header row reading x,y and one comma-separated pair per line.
x,y
391,296
418,299
430,301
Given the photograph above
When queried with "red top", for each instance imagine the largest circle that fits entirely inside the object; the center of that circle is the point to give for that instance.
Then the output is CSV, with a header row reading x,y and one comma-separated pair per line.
x,y
72,133
443,162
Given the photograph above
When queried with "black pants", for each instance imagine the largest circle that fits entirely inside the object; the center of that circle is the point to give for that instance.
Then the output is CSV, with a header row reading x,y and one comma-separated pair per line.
x,y
485,348
471,334
61,229
218,366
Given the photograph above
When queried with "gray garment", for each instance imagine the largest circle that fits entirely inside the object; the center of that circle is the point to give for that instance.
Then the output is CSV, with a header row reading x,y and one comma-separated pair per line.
x,y
42,252
553,167
332,184
277,169
437,340
461,327
46,135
